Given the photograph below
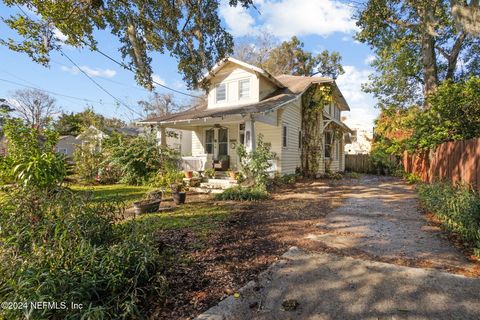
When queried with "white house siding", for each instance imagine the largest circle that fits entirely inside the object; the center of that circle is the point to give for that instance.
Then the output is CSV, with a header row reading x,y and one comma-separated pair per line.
x,y
198,140
291,117
231,74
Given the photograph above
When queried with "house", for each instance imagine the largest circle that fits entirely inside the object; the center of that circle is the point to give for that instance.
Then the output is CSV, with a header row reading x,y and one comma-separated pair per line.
x,y
362,138
244,102
67,145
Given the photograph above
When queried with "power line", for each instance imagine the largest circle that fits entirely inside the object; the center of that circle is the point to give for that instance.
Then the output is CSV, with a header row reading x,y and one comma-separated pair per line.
x,y
121,64
51,92
99,85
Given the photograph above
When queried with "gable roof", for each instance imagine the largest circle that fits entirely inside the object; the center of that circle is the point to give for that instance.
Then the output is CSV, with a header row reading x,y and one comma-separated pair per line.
x,y
292,88
217,67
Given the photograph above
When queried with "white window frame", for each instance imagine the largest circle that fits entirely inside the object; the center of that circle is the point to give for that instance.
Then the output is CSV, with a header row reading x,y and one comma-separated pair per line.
x,y
331,144
226,92
239,88
285,135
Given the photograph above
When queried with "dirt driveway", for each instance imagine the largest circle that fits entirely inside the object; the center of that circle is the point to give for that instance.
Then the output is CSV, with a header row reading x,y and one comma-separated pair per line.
x,y
339,272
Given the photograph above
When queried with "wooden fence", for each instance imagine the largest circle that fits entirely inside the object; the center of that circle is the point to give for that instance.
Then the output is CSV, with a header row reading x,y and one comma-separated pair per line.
x,y
359,163
363,163
456,161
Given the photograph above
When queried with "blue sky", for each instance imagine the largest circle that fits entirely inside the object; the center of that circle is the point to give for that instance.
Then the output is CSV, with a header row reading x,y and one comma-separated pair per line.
x,y
320,24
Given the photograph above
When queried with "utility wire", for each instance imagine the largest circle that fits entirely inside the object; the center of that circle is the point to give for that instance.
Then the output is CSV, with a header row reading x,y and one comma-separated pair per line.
x,y
121,64
51,92
99,85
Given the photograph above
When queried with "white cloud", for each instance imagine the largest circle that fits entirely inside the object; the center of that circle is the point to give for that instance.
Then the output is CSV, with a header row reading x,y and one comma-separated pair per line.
x,y
178,84
362,105
239,21
157,79
286,18
97,72
369,59
59,35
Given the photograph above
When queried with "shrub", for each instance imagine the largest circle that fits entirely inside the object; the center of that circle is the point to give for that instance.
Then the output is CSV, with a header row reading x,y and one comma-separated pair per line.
x,y
457,207
353,175
31,160
412,178
139,159
239,193
333,175
88,159
256,163
287,179
60,246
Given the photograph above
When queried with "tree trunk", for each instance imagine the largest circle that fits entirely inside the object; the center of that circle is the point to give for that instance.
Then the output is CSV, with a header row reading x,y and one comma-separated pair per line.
x,y
429,61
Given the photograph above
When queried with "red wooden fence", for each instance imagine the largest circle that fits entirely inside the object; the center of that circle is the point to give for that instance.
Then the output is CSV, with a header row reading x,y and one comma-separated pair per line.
x,y
456,161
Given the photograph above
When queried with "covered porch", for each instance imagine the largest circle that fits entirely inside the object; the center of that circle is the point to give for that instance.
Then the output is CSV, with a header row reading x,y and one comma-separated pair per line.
x,y
215,139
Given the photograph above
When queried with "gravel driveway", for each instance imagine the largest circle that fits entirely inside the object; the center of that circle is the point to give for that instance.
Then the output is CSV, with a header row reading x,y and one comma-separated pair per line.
x,y
377,220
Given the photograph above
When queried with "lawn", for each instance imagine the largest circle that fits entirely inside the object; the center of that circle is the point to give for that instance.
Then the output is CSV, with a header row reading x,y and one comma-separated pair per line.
x,y
115,192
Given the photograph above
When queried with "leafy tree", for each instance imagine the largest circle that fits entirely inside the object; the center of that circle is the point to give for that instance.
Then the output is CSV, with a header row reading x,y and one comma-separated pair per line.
x,y
190,31
289,57
454,115
417,45
75,123
35,107
5,109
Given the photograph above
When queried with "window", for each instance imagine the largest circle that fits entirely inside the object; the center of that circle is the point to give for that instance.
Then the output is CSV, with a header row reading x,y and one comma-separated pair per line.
x,y
221,92
328,137
284,136
241,133
244,89
209,137
222,141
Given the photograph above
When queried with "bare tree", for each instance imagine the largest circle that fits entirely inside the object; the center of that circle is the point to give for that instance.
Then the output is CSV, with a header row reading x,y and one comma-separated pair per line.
x,y
34,106
256,52
160,104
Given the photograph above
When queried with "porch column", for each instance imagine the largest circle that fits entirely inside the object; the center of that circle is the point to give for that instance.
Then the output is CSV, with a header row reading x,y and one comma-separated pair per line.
x,y
250,136
163,136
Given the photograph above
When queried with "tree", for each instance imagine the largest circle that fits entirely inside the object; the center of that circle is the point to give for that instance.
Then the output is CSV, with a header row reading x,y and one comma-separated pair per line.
x,y
417,46
190,31
159,104
35,107
75,123
289,57
5,109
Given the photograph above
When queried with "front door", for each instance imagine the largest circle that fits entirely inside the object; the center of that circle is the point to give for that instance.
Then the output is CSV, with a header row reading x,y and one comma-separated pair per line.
x,y
216,142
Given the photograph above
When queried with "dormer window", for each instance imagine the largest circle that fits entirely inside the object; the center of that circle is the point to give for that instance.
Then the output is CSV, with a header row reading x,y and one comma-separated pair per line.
x,y
221,93
244,89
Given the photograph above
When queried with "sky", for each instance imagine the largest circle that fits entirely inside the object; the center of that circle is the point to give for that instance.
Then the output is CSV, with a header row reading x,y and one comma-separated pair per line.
x,y
320,24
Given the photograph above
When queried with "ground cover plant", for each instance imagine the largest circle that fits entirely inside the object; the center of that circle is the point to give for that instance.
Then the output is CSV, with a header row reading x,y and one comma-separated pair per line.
x,y
458,208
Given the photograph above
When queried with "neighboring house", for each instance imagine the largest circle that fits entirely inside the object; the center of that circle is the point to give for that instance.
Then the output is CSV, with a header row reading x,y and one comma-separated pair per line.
x,y
245,101
67,145
361,141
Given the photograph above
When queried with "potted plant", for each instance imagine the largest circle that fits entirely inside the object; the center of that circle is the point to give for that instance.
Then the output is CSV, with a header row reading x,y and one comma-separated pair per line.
x,y
178,193
150,204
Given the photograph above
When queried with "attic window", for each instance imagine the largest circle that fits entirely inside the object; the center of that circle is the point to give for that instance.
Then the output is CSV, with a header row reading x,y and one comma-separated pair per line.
x,y
244,89
221,93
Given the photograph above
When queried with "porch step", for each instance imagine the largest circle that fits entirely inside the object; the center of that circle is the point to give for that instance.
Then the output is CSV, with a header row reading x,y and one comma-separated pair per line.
x,y
219,183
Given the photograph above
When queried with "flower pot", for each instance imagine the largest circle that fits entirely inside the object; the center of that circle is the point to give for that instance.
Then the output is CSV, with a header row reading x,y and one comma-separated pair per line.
x,y
179,197
189,174
146,206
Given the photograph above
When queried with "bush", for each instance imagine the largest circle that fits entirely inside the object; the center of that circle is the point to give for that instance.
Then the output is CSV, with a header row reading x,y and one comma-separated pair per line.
x,y
239,193
31,160
412,178
59,246
139,159
353,175
286,179
457,207
256,163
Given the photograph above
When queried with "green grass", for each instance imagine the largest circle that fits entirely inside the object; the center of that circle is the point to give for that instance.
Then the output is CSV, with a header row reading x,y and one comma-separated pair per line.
x,y
201,217
116,192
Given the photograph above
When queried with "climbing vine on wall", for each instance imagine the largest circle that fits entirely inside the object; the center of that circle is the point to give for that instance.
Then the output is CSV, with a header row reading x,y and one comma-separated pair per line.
x,y
314,101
